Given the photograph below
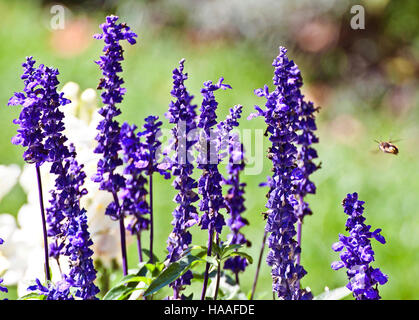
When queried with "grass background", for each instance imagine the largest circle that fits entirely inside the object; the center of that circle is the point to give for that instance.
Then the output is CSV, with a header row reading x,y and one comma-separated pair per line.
x,y
347,127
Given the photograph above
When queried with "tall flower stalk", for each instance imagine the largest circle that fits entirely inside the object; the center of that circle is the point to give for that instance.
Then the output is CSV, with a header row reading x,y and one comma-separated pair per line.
x,y
66,221
183,115
305,156
283,118
39,126
357,254
151,156
133,195
234,199
109,129
209,185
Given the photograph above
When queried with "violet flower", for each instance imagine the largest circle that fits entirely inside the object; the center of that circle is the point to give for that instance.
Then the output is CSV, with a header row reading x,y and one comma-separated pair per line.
x,y
182,113
82,272
134,193
58,291
150,162
358,253
283,122
68,228
40,126
209,184
38,97
234,199
109,129
67,222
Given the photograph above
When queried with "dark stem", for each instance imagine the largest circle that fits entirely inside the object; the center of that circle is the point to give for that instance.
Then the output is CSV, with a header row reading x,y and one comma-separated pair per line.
x,y
123,246
122,235
59,267
151,217
139,247
217,284
207,266
175,293
44,225
258,266
237,278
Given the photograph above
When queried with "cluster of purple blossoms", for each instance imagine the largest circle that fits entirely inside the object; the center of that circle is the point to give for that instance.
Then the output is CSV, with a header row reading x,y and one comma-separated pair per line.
x,y
305,155
2,288
153,163
68,227
39,121
152,144
358,254
82,273
283,117
109,129
57,291
209,185
67,222
234,199
134,193
182,113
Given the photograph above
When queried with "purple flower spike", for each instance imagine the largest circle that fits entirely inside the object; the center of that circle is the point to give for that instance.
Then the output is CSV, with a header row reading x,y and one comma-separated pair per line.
x,y
66,221
108,137
283,117
234,199
67,225
39,120
152,144
209,185
358,254
109,129
182,113
149,161
134,193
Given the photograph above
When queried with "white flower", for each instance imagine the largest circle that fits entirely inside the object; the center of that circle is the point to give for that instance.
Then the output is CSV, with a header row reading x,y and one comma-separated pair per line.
x,y
8,177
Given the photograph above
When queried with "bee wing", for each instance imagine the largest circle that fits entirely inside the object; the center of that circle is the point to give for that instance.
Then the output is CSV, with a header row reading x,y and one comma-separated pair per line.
x,y
393,141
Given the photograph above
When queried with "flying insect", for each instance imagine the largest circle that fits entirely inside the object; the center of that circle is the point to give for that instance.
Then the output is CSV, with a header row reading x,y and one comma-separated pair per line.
x,y
388,147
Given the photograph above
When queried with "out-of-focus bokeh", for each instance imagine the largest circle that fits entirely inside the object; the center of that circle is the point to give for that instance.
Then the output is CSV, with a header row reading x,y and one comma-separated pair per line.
x,y
365,81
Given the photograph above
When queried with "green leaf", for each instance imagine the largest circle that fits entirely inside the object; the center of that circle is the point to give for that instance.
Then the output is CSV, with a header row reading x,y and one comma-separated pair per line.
x,y
216,249
116,292
147,253
154,269
230,247
239,253
170,274
212,260
33,296
336,294
133,278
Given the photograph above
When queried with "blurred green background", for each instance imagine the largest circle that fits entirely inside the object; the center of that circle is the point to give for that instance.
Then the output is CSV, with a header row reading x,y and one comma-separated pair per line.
x,y
364,80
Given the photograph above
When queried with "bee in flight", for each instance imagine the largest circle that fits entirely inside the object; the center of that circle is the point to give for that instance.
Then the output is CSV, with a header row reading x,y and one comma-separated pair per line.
x,y
387,147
